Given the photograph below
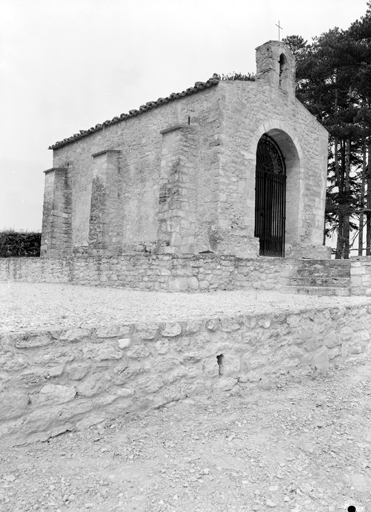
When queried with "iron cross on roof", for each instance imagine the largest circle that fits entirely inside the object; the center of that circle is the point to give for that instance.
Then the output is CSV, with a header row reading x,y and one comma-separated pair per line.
x,y
279,28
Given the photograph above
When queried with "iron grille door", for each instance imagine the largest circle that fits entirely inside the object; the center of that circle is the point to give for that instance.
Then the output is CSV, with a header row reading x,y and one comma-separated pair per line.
x,y
270,198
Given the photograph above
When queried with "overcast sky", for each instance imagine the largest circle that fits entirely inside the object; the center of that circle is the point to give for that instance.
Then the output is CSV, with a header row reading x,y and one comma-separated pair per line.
x,y
66,65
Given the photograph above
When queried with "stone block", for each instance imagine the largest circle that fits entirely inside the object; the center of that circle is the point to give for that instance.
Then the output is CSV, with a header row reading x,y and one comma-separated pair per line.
x,y
162,346
31,339
255,376
52,394
178,284
295,352
101,352
124,343
175,375
230,365
14,403
251,362
210,367
138,352
293,320
365,335
225,384
171,330
146,331
147,384
33,377
55,371
10,362
358,349
344,349
307,359
346,333
321,359
93,384
77,371
264,322
193,326
74,335
230,324
213,324
333,352
164,365
113,331
193,283
332,340
191,357
125,392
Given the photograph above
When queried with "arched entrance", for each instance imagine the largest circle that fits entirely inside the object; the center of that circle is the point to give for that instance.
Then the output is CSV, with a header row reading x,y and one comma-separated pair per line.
x,y
270,198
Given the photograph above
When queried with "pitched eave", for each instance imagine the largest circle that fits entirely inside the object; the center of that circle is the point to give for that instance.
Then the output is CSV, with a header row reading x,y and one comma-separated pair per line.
x,y
199,86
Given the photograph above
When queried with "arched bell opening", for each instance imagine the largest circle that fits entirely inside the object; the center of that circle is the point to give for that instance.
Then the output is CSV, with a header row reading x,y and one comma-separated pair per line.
x,y
282,64
277,193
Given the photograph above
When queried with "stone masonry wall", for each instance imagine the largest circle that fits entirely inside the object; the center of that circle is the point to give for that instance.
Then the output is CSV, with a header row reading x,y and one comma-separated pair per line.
x,y
251,109
155,272
140,142
54,380
360,275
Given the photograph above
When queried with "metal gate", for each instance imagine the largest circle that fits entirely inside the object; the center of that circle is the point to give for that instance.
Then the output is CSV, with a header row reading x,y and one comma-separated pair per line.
x,y
270,198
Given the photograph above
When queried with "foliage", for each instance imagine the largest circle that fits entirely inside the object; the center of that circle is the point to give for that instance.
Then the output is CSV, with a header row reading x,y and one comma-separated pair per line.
x,y
250,77
333,80
19,244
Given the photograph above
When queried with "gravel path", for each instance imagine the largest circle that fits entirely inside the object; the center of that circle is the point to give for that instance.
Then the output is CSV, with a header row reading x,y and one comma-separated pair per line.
x,y
35,305
301,446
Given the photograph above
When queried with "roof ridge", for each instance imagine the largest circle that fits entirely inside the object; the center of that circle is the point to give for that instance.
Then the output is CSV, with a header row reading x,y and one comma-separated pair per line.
x,y
199,86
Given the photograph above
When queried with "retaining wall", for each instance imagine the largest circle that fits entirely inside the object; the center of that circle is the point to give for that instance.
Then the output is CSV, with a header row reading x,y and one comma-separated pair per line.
x,y
170,273
55,380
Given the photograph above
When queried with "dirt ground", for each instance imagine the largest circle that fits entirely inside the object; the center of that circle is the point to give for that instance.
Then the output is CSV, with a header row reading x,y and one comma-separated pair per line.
x,y
300,445
42,305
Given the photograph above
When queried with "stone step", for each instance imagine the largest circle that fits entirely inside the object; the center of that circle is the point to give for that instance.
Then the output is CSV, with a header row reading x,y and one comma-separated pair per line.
x,y
325,263
316,290
337,271
338,282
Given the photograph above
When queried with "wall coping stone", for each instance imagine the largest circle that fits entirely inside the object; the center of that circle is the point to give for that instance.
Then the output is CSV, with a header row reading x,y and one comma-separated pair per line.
x,y
104,151
55,169
176,127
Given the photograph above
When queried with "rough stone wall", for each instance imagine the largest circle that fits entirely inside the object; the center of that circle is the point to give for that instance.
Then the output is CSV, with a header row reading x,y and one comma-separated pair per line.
x,y
168,273
56,380
178,199
56,225
104,225
140,140
275,65
251,109
360,275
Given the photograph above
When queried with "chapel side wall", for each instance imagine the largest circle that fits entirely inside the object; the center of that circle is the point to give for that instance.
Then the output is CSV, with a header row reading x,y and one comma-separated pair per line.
x,y
140,143
251,108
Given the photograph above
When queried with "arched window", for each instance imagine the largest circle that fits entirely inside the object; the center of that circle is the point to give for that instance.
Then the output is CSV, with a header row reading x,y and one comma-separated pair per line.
x,y
282,63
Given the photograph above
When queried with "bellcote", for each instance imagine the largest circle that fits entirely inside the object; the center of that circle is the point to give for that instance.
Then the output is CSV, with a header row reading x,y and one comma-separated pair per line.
x,y
275,65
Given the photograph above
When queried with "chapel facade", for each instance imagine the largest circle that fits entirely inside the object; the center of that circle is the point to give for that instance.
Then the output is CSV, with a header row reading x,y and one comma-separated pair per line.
x,y
227,167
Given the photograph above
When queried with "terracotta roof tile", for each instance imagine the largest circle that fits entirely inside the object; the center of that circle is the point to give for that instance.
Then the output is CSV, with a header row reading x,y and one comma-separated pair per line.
x,y
199,86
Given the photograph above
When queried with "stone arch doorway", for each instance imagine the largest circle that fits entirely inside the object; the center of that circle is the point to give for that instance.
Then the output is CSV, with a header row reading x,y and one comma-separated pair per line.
x,y
286,139
270,197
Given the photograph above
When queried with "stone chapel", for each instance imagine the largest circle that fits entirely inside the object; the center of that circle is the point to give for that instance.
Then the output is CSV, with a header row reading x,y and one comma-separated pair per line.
x,y
226,167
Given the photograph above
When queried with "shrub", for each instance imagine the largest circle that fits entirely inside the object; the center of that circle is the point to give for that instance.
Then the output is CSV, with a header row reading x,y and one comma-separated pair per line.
x,y
19,244
250,77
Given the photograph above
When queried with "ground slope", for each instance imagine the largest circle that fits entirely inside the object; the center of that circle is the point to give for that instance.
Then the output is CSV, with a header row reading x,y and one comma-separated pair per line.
x,y
301,445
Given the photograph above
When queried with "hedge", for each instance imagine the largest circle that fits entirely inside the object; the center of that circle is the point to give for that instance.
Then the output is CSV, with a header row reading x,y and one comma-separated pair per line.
x,y
22,244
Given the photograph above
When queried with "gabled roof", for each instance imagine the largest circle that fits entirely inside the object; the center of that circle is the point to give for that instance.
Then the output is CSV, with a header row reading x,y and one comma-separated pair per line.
x,y
199,86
